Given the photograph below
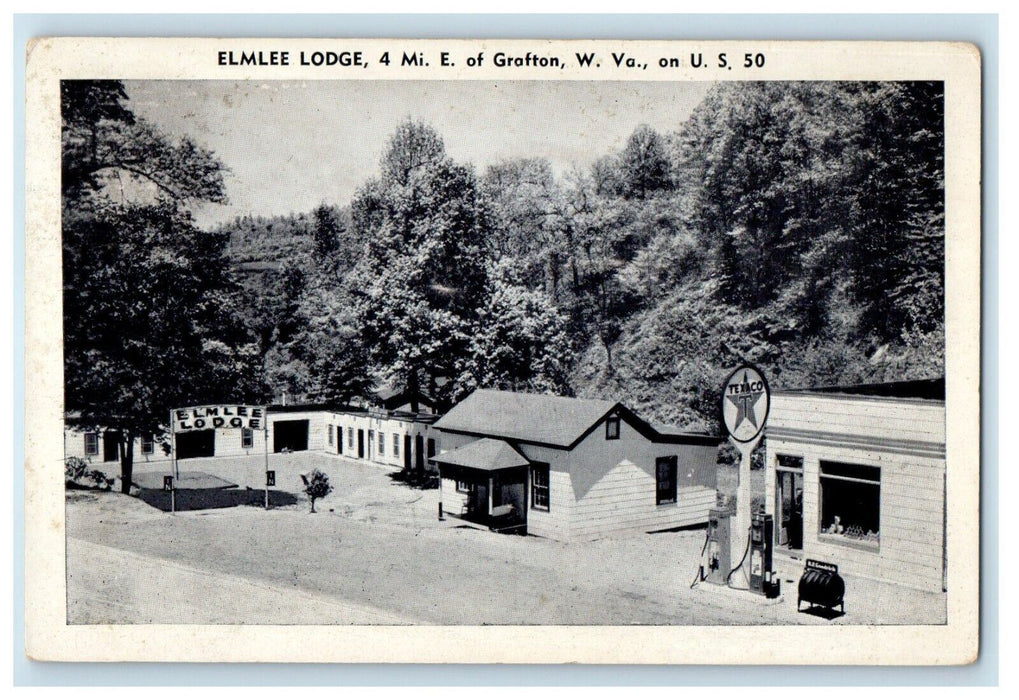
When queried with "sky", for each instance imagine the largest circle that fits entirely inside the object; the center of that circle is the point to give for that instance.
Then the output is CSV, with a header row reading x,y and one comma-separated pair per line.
x,y
293,145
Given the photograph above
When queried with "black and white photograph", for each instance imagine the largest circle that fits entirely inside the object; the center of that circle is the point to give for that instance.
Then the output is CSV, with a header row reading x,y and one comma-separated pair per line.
x,y
507,351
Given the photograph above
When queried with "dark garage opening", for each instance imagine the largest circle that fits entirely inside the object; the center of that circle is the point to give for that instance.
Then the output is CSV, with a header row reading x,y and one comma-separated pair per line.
x,y
197,443
291,435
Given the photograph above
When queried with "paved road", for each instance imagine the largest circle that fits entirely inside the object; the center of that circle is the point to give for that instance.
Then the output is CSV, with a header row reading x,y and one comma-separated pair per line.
x,y
119,587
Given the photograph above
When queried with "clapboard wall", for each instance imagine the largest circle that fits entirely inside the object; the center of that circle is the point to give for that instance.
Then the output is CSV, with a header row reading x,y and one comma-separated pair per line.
x,y
603,488
905,439
614,484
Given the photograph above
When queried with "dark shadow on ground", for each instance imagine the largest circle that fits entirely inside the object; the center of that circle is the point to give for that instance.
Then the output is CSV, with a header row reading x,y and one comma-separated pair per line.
x,y
415,480
823,612
208,499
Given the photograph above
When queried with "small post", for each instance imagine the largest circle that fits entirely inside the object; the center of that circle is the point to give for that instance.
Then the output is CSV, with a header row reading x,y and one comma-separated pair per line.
x,y
169,486
265,442
440,511
173,468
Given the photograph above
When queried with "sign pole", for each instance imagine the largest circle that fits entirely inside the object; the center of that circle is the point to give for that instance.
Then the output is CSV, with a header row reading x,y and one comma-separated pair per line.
x,y
744,501
173,468
746,402
265,443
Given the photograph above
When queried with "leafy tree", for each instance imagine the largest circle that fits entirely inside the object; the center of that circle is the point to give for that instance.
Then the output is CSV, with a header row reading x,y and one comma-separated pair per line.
x,y
316,486
520,342
150,311
644,165
425,225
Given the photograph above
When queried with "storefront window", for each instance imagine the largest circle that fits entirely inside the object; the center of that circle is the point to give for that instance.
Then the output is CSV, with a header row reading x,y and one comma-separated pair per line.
x,y
851,502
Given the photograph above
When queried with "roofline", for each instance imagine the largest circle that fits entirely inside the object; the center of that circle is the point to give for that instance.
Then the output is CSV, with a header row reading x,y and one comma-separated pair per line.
x,y
858,397
507,438
641,426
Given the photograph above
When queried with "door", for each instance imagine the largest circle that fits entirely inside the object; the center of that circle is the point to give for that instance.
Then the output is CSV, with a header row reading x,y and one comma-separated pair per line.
x,y
340,435
419,452
406,452
789,508
111,439
360,443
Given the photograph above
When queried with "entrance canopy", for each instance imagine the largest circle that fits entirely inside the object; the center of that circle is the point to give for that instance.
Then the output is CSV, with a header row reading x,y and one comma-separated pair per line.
x,y
485,454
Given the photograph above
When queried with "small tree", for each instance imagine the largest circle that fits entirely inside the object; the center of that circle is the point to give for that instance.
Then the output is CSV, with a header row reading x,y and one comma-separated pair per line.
x,y
316,486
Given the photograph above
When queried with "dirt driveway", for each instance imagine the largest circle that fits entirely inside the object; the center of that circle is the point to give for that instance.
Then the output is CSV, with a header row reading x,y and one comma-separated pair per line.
x,y
376,553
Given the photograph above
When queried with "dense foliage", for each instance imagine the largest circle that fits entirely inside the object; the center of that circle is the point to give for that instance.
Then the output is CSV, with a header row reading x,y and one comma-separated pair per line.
x,y
150,306
796,225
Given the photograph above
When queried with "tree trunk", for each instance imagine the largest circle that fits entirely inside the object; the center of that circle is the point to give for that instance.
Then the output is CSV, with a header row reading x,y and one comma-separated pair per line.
x,y
609,370
312,505
413,386
126,462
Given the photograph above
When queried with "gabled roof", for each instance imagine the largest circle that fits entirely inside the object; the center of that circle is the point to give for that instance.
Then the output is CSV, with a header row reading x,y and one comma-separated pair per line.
x,y
556,421
486,454
551,420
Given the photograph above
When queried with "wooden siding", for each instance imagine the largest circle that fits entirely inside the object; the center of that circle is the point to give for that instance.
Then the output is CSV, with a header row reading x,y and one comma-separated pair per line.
x,y
613,482
911,491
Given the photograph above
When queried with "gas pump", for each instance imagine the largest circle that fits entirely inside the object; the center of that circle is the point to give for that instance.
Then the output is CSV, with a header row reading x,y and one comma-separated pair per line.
x,y
762,534
715,559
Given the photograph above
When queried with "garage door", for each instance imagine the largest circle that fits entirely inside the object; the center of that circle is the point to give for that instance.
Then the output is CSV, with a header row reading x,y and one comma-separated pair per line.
x,y
290,435
197,443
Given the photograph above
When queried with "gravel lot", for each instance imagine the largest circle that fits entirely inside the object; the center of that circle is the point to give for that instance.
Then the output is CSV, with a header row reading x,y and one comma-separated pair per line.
x,y
377,554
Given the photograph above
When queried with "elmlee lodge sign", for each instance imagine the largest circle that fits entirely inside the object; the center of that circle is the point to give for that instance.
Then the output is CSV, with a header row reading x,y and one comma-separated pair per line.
x,y
206,417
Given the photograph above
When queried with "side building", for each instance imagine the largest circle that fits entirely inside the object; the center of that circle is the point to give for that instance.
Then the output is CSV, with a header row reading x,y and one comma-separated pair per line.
x,y
390,438
570,469
856,477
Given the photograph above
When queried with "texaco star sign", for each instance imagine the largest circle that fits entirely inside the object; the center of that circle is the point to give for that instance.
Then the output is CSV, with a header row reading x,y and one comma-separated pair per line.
x,y
746,400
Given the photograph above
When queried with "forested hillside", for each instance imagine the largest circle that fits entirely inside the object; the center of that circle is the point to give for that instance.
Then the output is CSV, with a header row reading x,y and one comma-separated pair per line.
x,y
796,225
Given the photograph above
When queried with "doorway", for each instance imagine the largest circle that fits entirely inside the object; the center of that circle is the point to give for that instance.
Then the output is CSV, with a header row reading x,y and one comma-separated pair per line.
x,y
789,507
360,443
111,442
290,435
196,443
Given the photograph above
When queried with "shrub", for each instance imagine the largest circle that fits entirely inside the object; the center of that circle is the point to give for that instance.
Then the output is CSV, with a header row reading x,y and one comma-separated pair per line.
x,y
316,486
78,475
75,468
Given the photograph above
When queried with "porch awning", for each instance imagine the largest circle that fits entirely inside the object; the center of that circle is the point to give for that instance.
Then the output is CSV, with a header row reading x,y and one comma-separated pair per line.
x,y
485,454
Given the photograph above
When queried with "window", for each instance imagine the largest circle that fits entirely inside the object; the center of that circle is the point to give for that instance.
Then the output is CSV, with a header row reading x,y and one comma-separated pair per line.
x,y
851,502
612,428
790,462
396,444
350,438
464,486
666,469
331,441
247,438
382,444
91,443
147,446
539,487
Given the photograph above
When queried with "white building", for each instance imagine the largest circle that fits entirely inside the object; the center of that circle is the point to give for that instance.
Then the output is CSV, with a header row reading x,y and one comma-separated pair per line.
x,y
856,477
